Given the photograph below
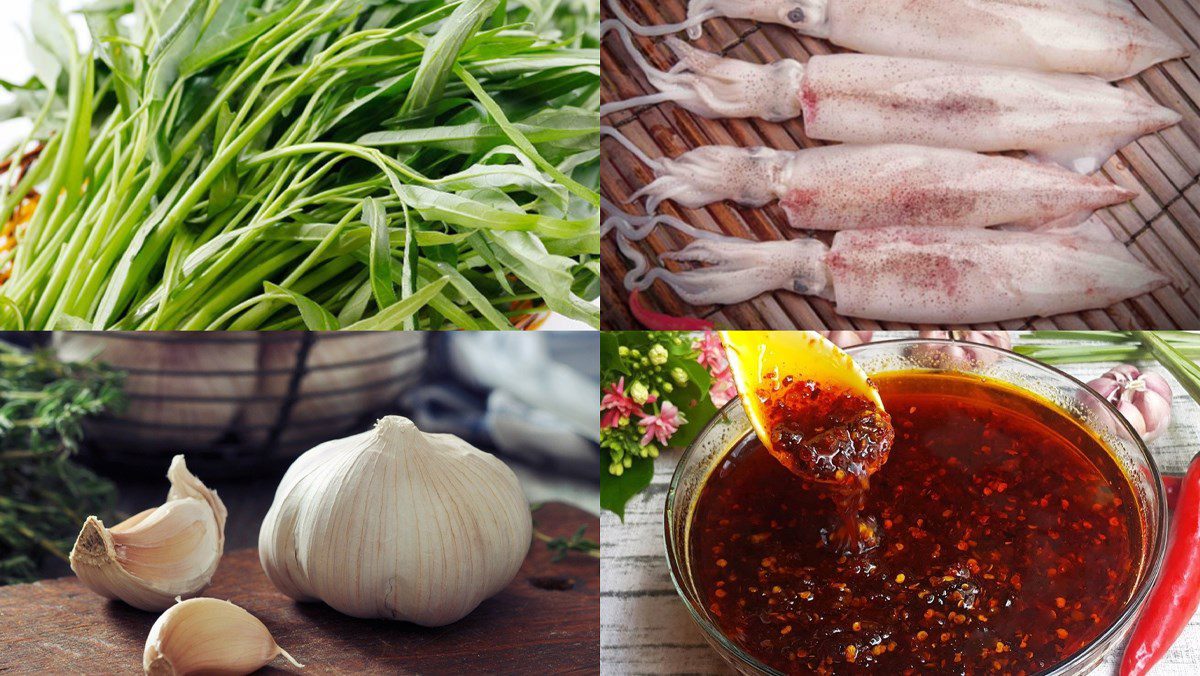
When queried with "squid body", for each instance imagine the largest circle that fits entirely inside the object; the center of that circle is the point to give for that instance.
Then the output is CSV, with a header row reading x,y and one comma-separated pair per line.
x,y
850,186
1072,120
914,274
1105,38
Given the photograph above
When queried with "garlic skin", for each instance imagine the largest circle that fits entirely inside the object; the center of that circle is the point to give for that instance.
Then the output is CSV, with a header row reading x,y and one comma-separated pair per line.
x,y
1143,398
209,636
961,351
398,524
160,554
845,339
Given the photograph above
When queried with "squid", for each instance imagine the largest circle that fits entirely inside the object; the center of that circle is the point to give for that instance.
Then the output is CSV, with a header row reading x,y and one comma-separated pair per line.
x,y
909,274
846,187
1075,121
1105,38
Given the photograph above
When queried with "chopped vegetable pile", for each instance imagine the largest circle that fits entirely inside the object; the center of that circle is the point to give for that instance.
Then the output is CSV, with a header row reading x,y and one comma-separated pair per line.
x,y
322,164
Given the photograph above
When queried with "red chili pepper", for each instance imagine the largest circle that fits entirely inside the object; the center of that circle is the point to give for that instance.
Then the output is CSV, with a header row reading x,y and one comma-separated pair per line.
x,y
1174,600
1172,483
656,321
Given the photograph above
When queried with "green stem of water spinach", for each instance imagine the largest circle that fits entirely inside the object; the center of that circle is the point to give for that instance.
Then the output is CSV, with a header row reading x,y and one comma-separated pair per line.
x,y
257,164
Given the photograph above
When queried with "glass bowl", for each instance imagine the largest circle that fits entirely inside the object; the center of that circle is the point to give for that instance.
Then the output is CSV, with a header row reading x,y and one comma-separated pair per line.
x,y
730,426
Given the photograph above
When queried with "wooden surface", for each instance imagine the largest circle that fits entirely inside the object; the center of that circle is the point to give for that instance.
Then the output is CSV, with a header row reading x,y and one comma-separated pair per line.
x,y
645,629
1161,226
544,622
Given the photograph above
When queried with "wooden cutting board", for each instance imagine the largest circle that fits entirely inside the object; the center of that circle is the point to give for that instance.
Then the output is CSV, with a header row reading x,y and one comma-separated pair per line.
x,y
546,621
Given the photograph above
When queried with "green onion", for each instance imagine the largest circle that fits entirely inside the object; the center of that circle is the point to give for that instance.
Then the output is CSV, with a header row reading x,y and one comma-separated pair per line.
x,y
1104,346
1174,360
269,164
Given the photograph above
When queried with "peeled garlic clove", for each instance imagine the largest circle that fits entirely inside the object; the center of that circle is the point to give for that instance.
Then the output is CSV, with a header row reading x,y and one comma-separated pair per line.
x,y
395,523
160,554
209,636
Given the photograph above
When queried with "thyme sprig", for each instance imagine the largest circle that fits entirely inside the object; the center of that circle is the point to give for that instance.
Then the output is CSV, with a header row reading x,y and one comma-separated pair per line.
x,y
562,546
44,495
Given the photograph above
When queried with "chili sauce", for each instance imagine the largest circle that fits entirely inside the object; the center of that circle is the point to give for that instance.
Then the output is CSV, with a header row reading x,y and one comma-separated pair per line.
x,y
1008,539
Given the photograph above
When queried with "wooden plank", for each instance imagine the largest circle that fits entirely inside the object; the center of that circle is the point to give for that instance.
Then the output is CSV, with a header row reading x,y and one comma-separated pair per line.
x,y
545,621
1161,226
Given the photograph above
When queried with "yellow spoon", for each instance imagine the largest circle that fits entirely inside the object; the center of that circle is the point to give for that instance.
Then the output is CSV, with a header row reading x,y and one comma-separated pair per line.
x,y
761,360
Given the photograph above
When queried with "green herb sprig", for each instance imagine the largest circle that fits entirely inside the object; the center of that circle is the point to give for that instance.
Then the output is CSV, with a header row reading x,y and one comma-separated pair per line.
x,y
562,546
44,496
321,164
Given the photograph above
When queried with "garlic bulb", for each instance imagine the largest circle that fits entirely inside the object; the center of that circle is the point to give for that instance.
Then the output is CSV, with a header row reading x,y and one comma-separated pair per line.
x,y
396,523
208,636
1143,398
162,553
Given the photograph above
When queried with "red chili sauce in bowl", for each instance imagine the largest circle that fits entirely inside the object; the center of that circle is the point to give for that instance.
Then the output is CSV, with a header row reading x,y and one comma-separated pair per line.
x,y
1000,536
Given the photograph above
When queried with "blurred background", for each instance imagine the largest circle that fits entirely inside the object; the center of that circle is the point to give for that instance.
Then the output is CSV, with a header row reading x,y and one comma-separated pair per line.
x,y
242,407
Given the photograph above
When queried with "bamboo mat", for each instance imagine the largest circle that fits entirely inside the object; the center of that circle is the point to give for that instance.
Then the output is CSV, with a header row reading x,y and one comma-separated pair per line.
x,y
1161,226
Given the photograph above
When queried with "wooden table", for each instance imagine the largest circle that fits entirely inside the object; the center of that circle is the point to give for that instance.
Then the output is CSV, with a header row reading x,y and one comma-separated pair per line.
x,y
645,629
544,621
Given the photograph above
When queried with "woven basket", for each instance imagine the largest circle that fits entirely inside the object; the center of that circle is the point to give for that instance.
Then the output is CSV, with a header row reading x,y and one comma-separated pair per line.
x,y
243,402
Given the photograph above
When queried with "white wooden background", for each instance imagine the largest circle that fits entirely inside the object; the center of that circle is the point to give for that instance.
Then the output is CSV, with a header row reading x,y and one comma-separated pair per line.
x,y
645,629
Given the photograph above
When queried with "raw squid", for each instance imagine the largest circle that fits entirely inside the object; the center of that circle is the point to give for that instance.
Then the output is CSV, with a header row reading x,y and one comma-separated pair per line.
x,y
904,274
1106,38
849,186
1072,120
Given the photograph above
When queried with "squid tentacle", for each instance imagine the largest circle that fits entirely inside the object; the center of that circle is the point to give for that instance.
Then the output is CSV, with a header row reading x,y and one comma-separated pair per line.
x,y
738,269
692,23
714,86
637,152
749,176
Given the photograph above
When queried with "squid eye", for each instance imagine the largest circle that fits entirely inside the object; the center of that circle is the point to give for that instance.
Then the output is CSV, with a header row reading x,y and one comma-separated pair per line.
x,y
796,15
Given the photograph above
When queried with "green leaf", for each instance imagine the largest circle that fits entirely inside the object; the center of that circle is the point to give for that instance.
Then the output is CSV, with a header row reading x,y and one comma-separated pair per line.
x,y
52,45
434,205
184,20
228,31
473,296
381,254
394,316
315,317
616,491
610,353
548,275
699,411
356,307
521,141
441,53
224,190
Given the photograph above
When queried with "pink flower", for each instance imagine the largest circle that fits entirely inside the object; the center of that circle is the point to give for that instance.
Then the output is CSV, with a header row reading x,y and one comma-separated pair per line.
x,y
663,425
712,353
723,390
617,405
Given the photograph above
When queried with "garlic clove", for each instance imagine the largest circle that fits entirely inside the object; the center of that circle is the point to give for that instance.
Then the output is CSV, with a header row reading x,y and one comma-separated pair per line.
x,y
157,555
206,635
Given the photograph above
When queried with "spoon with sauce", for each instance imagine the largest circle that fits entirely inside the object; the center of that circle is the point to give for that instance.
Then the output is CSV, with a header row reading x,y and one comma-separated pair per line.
x,y
818,414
